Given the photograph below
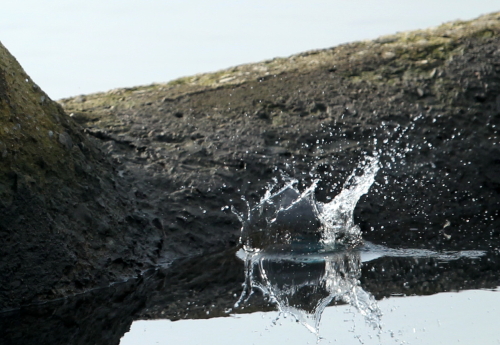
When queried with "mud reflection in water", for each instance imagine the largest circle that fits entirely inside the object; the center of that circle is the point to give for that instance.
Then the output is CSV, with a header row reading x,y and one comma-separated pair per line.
x,y
303,285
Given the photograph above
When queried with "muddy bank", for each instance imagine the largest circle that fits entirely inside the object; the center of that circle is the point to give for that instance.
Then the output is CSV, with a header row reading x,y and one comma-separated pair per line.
x,y
134,177
66,223
196,145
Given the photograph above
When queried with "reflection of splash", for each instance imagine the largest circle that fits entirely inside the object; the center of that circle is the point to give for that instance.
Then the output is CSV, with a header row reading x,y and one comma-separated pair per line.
x,y
303,285
288,216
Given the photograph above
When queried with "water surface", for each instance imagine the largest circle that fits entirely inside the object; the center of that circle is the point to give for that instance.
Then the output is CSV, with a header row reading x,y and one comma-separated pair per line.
x,y
466,317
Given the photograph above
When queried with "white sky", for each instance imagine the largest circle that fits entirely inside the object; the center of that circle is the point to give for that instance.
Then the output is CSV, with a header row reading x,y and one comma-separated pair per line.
x,y
72,47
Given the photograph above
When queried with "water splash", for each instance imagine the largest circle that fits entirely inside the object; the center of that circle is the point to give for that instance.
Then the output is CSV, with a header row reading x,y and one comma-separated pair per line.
x,y
337,217
286,216
371,251
291,249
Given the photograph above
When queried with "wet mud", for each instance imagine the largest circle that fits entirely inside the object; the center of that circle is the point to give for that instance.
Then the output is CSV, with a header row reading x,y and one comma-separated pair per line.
x,y
147,176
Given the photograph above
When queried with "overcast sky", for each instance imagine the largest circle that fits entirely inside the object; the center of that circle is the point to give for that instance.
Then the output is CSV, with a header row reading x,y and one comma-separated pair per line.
x,y
72,47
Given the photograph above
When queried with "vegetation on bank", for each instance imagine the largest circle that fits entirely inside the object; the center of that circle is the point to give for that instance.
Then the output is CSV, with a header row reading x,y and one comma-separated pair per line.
x,y
35,134
390,59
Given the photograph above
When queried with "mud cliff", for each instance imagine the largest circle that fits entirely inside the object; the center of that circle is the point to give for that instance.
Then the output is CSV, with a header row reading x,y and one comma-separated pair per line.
x,y
105,185
66,225
427,100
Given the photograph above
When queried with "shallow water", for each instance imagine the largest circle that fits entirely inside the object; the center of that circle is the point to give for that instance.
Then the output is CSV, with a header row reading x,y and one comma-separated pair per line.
x,y
302,284
327,293
201,294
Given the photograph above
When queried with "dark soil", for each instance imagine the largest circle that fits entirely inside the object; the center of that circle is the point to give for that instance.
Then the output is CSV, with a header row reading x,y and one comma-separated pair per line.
x,y
191,157
160,167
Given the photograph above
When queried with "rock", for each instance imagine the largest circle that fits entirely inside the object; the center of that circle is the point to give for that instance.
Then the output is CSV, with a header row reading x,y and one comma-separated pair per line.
x,y
365,98
388,55
65,140
261,114
80,99
157,223
316,107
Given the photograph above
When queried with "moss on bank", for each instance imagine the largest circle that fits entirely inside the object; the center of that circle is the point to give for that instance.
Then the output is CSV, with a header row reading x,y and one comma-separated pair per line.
x,y
62,213
36,138
389,59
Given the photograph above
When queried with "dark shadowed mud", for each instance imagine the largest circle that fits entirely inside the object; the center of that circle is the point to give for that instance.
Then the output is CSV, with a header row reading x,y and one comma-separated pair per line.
x,y
66,223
